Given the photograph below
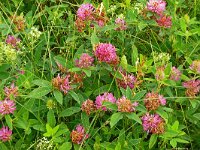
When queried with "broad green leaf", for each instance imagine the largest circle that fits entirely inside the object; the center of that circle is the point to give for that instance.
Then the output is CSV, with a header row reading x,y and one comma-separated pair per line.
x,y
94,39
51,120
39,92
118,146
115,118
59,96
106,4
110,105
42,83
139,95
69,111
163,114
87,72
175,126
128,93
9,121
173,143
180,140
128,3
65,146
124,62
134,55
3,146
85,120
75,96
134,116
152,140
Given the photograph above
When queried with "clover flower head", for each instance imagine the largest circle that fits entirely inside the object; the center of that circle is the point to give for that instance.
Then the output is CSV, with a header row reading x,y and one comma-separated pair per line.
x,y
153,100
88,106
195,66
192,87
121,23
78,135
157,6
102,98
125,105
106,52
5,134
85,61
11,40
164,21
7,107
85,11
62,83
175,74
153,123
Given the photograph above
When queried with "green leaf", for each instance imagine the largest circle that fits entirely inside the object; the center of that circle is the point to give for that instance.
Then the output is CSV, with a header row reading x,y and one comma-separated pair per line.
x,y
128,3
75,96
85,120
175,126
152,140
180,140
135,117
51,120
110,105
87,72
163,114
118,146
39,92
173,143
168,68
128,93
59,96
69,111
42,83
9,121
115,118
124,62
139,95
134,55
3,146
106,4
94,39
65,146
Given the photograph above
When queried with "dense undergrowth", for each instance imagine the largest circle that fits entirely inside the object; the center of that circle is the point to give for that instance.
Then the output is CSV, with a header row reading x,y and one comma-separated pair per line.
x,y
99,74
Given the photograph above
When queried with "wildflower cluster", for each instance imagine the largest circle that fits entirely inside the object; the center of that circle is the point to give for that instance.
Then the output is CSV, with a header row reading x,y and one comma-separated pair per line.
x,y
79,135
153,123
158,7
88,14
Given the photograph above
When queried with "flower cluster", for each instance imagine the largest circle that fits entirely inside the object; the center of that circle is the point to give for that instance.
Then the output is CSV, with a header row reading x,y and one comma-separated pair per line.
x,y
11,40
7,107
175,74
153,100
125,105
128,80
85,61
106,52
88,106
153,123
121,23
195,66
62,83
5,134
158,7
160,74
106,97
86,13
19,22
34,33
79,135
192,87
11,91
